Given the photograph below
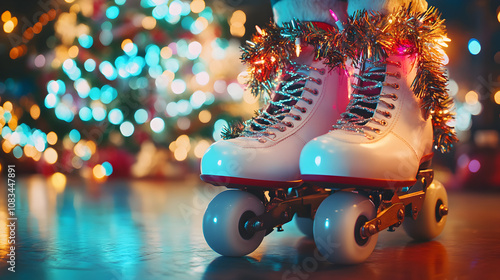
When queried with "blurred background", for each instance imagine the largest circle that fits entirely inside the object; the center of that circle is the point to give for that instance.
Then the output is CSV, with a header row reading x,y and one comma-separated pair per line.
x,y
103,89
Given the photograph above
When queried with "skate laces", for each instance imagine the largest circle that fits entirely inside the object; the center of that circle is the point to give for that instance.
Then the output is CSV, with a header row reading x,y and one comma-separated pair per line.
x,y
367,97
284,103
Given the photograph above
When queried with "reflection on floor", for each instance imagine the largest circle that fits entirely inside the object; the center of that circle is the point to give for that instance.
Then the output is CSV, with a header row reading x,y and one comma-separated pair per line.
x,y
152,230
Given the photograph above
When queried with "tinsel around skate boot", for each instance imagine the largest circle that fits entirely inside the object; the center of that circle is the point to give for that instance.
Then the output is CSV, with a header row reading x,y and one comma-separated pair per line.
x,y
307,98
399,101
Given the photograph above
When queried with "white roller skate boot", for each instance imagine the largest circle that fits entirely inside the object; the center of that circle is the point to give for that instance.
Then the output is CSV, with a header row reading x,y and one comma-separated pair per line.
x,y
307,100
383,136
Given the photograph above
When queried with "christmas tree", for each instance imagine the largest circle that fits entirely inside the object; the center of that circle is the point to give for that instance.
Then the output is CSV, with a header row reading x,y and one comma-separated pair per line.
x,y
132,87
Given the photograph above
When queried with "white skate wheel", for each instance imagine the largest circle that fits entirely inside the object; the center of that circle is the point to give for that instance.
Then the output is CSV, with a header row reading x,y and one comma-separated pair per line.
x,y
430,222
337,227
305,226
224,221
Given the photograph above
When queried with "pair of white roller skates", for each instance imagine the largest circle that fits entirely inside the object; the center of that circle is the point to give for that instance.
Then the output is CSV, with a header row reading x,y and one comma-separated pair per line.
x,y
369,173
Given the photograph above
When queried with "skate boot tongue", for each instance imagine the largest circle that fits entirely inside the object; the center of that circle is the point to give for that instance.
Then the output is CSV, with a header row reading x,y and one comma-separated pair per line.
x,y
370,79
290,86
365,98
288,91
292,82
369,84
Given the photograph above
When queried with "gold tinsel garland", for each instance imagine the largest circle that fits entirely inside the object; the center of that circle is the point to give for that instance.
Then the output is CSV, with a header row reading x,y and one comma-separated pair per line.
x,y
273,48
365,35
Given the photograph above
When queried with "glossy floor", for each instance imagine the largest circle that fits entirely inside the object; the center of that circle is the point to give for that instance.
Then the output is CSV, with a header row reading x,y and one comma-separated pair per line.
x,y
152,230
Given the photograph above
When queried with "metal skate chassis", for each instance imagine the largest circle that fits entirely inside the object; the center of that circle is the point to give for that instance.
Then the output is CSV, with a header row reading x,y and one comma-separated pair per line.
x,y
393,206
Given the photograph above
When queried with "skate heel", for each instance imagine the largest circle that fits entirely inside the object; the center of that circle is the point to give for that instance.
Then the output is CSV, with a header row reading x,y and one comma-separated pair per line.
x,y
426,161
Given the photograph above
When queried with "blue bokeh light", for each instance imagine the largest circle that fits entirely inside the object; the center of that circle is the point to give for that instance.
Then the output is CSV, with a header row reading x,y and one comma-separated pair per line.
x,y
115,116
64,113
157,124
108,70
85,41
82,87
127,128
108,168
108,94
18,152
85,114
74,136
89,65
474,46
99,114
95,93
50,101
112,12
141,116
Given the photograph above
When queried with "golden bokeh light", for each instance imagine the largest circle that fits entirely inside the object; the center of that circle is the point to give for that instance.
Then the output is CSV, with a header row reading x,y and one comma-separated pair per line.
x,y
471,97
14,53
197,6
29,150
8,27
7,106
73,51
149,23
200,148
7,146
13,123
52,138
58,181
125,42
50,155
172,146
496,97
44,19
35,111
238,18
183,141
205,116
180,153
37,156
6,16
92,146
99,172
37,28
166,52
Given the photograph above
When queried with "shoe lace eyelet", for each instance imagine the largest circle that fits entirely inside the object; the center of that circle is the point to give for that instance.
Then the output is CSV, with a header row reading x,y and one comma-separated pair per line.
x,y
322,71
319,81
309,101
303,110
315,92
289,124
262,140
391,106
377,131
394,97
297,118
388,115
382,122
395,85
282,129
398,75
